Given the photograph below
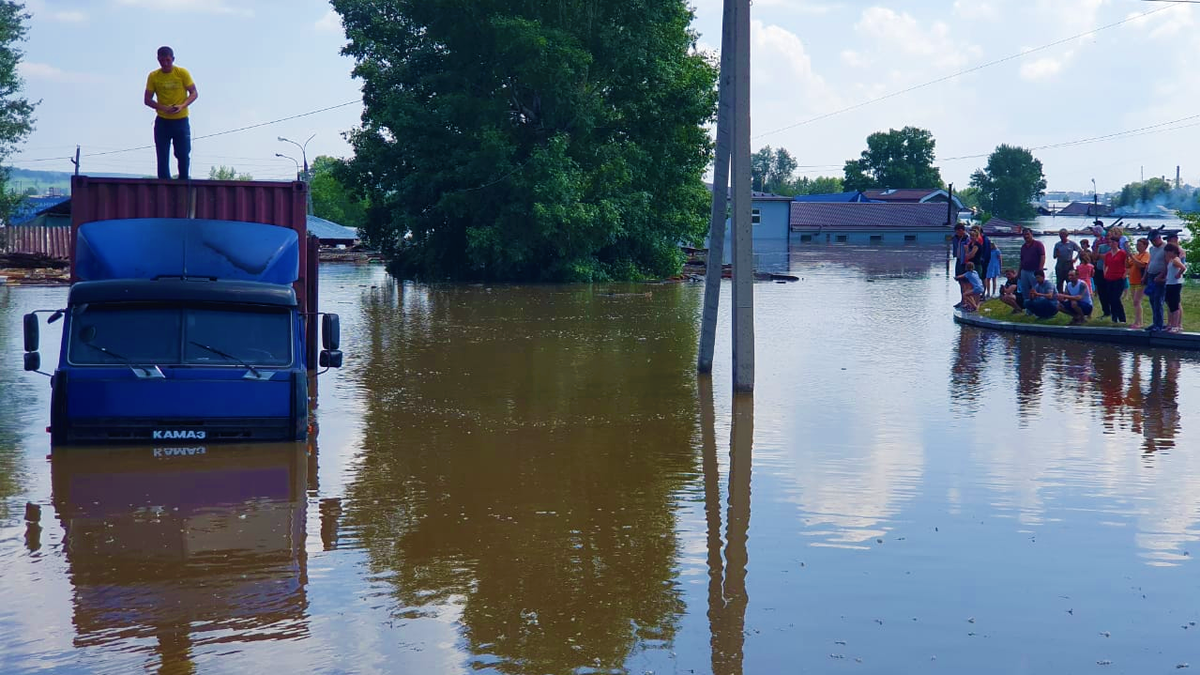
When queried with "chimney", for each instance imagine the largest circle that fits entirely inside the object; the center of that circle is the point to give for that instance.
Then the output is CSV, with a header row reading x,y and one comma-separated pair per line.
x,y
1177,183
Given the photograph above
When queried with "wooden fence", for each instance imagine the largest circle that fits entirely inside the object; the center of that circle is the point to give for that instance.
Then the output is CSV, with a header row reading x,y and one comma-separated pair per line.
x,y
44,239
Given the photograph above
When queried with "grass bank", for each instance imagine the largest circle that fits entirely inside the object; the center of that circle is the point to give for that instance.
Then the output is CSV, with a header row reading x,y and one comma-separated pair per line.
x,y
1190,300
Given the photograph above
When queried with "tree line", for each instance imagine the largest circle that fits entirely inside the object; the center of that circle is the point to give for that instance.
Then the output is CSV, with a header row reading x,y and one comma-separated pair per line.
x,y
904,158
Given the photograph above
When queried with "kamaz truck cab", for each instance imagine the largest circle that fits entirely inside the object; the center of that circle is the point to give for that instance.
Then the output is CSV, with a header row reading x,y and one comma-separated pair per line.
x,y
183,330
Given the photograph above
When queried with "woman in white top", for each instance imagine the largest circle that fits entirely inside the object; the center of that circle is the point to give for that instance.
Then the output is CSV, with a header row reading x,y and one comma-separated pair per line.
x,y
1174,287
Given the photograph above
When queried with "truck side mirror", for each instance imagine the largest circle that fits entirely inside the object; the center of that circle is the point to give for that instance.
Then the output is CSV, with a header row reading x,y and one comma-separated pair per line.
x,y
31,333
33,361
330,358
331,332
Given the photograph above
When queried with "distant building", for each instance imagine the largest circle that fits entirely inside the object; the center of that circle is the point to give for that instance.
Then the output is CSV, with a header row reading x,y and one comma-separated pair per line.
x,y
330,233
854,196
1088,209
870,223
912,196
48,210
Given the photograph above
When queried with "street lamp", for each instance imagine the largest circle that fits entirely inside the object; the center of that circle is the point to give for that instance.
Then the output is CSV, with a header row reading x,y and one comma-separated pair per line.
x,y
303,154
294,161
307,178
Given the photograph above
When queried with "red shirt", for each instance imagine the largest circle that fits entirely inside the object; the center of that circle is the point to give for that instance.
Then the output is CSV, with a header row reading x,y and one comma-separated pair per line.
x,y
1114,265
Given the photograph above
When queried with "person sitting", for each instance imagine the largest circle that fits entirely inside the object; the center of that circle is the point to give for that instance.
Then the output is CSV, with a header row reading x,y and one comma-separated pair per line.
x,y
1075,300
972,288
1041,302
1010,293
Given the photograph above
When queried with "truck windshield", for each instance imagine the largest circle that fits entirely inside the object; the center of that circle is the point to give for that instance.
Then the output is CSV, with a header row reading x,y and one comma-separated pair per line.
x,y
160,335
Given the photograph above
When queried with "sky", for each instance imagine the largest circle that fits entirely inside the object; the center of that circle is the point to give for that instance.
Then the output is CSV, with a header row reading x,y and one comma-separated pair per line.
x,y
825,75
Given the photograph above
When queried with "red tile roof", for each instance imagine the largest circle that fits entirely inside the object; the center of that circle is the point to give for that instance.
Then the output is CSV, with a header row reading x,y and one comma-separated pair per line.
x,y
816,215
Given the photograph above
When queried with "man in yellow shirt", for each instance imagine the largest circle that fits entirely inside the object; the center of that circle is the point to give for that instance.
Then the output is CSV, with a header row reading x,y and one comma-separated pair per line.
x,y
170,90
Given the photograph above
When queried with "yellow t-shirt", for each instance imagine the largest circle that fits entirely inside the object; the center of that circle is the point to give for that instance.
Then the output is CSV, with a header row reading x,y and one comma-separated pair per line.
x,y
170,89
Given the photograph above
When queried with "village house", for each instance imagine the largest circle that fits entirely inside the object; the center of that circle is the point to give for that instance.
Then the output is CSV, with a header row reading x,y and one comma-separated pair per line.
x,y
870,223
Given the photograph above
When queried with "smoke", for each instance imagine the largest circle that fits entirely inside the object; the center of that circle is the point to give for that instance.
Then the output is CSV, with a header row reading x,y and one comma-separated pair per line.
x,y
1164,204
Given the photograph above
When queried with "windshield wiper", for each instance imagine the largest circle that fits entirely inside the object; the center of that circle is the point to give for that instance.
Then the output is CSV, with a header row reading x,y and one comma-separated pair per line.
x,y
141,371
254,371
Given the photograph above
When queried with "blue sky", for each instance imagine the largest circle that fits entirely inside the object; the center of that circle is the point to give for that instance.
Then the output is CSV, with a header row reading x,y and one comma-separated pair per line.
x,y
261,60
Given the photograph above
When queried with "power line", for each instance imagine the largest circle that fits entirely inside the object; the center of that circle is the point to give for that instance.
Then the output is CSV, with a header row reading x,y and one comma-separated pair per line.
x,y
212,135
967,71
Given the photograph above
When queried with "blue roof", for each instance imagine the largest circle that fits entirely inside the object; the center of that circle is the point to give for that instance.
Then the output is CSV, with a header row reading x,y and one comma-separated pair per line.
x,y
836,197
32,207
325,229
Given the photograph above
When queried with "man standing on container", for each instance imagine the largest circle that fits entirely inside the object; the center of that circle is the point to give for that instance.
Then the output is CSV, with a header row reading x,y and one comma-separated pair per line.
x,y
1033,260
170,91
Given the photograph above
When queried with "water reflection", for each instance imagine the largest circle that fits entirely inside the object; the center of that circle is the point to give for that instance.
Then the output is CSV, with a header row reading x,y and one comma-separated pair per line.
x,y
523,483
727,597
873,262
173,548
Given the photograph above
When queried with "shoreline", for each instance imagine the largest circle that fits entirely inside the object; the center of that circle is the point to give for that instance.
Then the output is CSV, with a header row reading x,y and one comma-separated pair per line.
x,y
1120,336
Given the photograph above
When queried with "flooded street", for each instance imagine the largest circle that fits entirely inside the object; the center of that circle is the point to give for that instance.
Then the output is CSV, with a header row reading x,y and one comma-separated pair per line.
x,y
533,479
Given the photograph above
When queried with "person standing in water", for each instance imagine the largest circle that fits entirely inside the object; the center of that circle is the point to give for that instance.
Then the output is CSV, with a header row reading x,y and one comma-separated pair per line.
x,y
170,91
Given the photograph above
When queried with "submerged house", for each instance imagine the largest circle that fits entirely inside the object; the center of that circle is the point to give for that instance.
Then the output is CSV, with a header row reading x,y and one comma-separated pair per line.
x,y
1088,209
912,196
330,233
870,223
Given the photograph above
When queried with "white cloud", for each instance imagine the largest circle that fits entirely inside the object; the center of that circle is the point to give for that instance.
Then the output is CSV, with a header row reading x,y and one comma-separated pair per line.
x,y
974,10
855,59
47,72
1168,23
933,41
197,6
1044,68
39,10
330,23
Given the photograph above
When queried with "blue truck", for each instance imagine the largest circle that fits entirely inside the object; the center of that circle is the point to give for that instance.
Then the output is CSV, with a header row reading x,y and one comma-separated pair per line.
x,y
181,327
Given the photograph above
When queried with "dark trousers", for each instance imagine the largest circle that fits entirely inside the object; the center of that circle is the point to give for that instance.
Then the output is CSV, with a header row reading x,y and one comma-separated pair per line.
x,y
167,132
1101,291
1116,308
1155,293
1060,277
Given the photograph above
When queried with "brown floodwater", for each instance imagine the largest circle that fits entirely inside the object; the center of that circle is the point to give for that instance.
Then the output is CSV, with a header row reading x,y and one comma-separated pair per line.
x,y
533,479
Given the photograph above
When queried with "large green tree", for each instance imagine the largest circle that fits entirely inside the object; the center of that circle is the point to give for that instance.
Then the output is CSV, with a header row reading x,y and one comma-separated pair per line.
x,y
16,112
1012,180
896,158
332,200
507,140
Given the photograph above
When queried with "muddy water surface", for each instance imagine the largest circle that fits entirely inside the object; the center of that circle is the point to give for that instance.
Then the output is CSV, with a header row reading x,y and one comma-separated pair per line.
x,y
533,480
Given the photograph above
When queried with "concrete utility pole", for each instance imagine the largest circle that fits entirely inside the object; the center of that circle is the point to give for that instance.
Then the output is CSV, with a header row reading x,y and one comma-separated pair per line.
x,y
720,198
743,247
733,133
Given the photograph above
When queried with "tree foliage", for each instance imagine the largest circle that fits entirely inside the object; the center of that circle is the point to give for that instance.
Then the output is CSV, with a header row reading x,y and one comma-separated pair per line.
x,y
969,197
1191,220
526,140
894,159
16,112
1154,192
821,185
330,197
771,170
1012,180
227,173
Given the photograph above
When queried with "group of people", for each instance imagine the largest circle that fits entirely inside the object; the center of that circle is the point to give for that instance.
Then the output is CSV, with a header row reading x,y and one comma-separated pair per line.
x,y
1103,268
